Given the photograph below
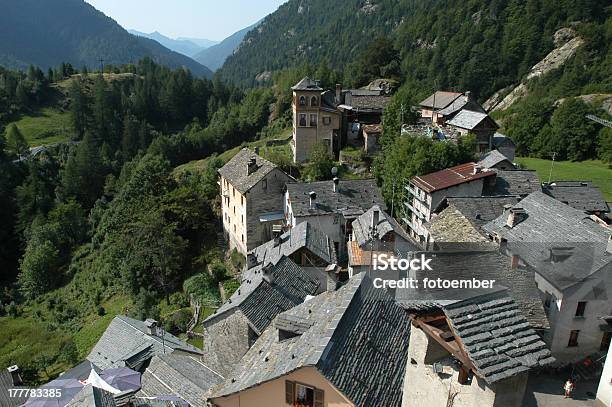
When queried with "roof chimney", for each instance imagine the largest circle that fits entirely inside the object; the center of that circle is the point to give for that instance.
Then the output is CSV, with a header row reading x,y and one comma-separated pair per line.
x,y
313,200
477,169
277,230
336,184
252,166
375,219
151,325
467,95
266,271
338,93
251,260
515,216
609,247
14,371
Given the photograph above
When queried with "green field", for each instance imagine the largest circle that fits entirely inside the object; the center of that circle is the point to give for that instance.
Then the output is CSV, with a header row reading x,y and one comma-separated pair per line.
x,y
46,126
591,170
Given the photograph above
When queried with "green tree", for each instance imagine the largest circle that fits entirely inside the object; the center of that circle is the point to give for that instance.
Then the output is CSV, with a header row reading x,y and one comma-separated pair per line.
x,y
15,141
79,106
573,136
320,164
38,268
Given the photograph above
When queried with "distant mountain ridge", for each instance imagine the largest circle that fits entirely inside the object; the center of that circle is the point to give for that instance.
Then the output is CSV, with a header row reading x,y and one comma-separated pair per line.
x,y
214,57
188,47
32,32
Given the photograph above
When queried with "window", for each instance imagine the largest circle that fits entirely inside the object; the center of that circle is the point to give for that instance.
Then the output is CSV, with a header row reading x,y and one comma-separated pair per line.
x,y
242,238
301,395
314,101
264,184
302,101
573,339
302,121
580,308
326,120
242,200
313,120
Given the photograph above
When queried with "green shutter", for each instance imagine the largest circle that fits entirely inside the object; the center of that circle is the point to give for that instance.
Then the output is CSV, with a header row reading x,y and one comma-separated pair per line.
x,y
289,392
319,398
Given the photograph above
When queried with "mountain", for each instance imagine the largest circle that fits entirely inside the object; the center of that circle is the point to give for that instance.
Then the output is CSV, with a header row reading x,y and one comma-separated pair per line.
x,y
34,32
214,56
188,47
480,45
200,42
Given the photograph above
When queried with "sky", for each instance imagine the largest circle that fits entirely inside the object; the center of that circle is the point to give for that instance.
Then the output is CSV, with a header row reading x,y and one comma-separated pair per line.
x,y
210,19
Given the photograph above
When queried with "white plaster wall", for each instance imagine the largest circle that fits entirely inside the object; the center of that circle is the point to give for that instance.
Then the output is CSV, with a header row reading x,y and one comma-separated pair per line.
x,y
604,391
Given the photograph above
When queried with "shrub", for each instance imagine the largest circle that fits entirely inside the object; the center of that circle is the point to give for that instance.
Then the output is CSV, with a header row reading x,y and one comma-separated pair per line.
x,y
177,322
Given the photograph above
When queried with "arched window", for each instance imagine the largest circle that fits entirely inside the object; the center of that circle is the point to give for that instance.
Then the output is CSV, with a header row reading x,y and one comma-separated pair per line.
x,y
314,101
302,101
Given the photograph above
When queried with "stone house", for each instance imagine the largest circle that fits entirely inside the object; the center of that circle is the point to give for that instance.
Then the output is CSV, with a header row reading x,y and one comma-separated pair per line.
x,y
425,192
571,256
371,137
495,160
331,206
265,292
457,221
315,120
376,232
359,108
251,199
442,106
304,356
480,124
504,145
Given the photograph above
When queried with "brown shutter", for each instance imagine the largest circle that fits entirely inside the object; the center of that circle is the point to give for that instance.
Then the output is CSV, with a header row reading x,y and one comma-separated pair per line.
x,y
319,398
289,392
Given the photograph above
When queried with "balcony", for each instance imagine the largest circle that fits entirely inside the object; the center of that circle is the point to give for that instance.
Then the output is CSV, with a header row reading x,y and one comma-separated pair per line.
x,y
412,209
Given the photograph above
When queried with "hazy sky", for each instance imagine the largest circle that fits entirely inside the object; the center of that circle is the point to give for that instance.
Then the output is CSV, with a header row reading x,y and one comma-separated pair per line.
x,y
209,19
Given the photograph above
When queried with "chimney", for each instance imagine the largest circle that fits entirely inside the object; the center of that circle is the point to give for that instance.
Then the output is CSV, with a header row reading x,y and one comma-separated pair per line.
x,y
151,325
251,166
277,230
266,271
477,169
515,216
14,371
467,96
336,184
375,219
609,247
251,260
514,262
313,200
338,93
331,283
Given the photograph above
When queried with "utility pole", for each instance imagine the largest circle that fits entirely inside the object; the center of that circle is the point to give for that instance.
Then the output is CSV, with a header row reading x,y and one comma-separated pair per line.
x,y
554,154
101,60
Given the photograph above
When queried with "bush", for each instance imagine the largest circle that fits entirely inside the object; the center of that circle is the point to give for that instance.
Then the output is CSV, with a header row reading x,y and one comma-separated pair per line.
x,y
179,299
177,322
230,286
218,271
203,288
237,259
101,311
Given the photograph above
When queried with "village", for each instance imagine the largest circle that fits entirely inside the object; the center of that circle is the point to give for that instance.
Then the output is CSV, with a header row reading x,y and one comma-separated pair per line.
x,y
308,327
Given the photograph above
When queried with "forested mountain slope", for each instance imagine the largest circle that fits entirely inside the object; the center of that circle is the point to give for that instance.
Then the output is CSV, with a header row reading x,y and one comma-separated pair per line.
x,y
32,32
214,56
480,45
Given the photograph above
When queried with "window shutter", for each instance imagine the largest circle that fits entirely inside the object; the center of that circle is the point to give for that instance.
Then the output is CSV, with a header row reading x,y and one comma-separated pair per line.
x,y
289,392
319,398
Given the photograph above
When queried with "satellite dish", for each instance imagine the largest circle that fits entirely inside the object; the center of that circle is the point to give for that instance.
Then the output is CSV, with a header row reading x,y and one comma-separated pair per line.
x,y
334,171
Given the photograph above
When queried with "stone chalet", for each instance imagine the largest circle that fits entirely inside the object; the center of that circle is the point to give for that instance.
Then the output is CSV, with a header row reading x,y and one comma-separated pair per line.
x,y
343,348
334,119
265,292
495,160
425,192
331,206
473,347
581,195
458,221
251,199
376,232
571,255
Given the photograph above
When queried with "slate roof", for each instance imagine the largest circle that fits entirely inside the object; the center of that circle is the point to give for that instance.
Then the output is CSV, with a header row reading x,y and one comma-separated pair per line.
x,y
496,337
235,171
449,177
563,244
492,158
127,337
180,375
80,371
261,301
481,265
481,209
467,119
353,197
92,397
499,139
451,226
514,182
386,224
302,236
582,195
358,340
369,102
6,383
442,98
307,84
